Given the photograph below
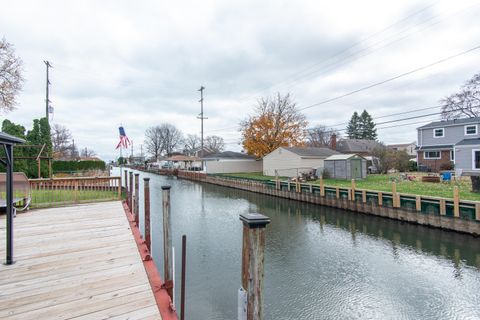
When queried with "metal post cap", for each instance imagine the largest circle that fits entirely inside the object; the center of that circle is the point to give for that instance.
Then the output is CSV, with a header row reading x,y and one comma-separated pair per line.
x,y
137,174
146,179
166,187
254,220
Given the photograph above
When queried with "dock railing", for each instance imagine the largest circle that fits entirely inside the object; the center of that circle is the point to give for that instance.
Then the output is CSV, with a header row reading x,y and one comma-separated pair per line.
x,y
63,191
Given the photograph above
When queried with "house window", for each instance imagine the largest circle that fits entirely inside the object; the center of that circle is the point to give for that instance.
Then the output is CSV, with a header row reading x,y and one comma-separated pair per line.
x,y
438,133
476,159
431,155
471,130
452,155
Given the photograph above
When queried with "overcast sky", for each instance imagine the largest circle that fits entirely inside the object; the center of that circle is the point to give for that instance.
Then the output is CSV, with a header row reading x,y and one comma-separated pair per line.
x,y
140,63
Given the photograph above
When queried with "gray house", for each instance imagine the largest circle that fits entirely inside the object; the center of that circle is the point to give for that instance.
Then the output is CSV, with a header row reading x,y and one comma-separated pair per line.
x,y
346,166
231,162
441,142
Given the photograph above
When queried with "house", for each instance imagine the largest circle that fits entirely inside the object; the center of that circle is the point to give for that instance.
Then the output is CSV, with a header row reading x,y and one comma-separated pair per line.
x,y
362,147
440,142
409,148
293,161
346,166
231,162
181,162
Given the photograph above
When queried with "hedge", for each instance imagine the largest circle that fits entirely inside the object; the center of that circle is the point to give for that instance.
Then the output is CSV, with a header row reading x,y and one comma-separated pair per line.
x,y
70,166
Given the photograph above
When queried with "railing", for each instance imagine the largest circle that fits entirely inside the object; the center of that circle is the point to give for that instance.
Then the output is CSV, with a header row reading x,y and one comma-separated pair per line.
x,y
62,191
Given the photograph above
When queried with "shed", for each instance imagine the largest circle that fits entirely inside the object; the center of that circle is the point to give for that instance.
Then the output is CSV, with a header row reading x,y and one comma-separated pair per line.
x,y
293,161
231,162
346,166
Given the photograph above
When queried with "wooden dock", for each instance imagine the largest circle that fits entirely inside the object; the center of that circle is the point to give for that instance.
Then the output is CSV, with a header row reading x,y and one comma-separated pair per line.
x,y
77,262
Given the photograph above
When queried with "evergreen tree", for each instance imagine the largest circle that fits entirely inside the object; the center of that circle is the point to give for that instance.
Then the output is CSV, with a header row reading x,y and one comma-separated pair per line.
x,y
353,127
367,126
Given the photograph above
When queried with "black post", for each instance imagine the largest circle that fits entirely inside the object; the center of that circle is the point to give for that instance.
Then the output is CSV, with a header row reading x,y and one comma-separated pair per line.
x,y
9,199
146,197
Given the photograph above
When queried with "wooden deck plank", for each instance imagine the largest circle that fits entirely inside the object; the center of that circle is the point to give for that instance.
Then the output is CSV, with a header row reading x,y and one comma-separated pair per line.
x,y
75,262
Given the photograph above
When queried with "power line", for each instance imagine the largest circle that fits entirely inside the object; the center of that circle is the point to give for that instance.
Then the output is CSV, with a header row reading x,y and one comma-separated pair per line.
x,y
391,79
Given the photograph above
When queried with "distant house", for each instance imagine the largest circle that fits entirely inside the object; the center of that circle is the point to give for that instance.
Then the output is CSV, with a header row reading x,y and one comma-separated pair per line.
x,y
440,143
181,161
231,162
293,161
346,166
409,148
199,152
361,147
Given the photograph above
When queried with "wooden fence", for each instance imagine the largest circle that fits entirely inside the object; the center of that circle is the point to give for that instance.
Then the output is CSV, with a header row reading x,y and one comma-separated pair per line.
x,y
62,191
451,214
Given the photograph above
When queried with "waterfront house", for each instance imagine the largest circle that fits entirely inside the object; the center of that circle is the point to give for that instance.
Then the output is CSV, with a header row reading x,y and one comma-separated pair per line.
x,y
293,161
409,148
346,166
361,147
231,162
444,144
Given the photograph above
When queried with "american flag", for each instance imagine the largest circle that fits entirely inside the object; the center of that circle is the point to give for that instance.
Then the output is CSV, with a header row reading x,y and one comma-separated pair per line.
x,y
124,142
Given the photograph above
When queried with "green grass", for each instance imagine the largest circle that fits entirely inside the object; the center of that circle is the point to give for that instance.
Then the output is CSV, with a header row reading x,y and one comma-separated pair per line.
x,y
43,198
383,182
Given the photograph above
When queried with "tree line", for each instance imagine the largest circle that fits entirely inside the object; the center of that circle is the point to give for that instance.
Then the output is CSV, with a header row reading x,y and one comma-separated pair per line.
x,y
165,139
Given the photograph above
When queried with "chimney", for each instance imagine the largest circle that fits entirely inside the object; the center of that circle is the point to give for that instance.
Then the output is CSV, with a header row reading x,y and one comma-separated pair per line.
x,y
333,142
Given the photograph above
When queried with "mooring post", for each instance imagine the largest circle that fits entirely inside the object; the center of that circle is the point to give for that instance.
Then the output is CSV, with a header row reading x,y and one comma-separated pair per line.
x,y
136,200
182,291
146,198
353,190
456,202
130,189
394,195
252,266
126,187
167,242
322,188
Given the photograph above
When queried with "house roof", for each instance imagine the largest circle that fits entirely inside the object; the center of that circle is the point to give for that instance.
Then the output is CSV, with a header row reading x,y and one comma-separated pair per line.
x,y
400,145
343,156
229,155
443,123
468,142
182,158
9,139
311,152
357,145
437,147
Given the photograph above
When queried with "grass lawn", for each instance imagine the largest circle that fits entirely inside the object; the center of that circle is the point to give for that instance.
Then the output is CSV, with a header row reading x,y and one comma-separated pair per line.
x,y
383,182
42,198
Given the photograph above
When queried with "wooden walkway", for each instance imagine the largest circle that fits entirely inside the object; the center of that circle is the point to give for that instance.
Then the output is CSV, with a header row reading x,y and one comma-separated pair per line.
x,y
77,262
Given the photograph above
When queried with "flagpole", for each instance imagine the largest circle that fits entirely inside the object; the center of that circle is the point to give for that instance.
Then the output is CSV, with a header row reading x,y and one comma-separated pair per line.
x,y
120,163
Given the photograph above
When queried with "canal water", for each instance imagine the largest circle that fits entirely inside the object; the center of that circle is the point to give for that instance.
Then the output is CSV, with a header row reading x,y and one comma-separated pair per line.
x,y
320,262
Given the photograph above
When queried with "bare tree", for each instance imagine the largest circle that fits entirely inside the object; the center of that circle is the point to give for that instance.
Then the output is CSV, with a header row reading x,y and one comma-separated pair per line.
x,y
214,143
61,140
465,103
321,136
11,80
192,141
88,153
153,141
171,137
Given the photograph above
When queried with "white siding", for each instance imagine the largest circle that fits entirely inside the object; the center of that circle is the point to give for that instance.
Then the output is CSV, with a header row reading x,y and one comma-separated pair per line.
x,y
287,163
233,166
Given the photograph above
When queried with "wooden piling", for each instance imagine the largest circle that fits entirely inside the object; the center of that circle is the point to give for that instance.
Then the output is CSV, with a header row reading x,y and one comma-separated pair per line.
x,y
443,208
364,196
477,211
146,197
322,188
394,195
418,203
380,199
337,192
136,206
352,197
456,202
130,189
253,262
167,242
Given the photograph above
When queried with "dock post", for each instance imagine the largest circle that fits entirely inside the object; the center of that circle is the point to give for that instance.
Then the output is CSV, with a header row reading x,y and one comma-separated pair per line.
x,y
394,194
126,186
167,242
456,202
252,265
182,291
322,188
136,200
130,193
352,197
146,198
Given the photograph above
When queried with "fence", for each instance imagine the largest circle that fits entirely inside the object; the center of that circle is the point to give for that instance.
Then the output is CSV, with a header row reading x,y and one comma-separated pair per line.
x,y
62,191
452,214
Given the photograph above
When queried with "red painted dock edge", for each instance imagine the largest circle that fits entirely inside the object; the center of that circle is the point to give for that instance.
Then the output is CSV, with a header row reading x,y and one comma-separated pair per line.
x,y
162,298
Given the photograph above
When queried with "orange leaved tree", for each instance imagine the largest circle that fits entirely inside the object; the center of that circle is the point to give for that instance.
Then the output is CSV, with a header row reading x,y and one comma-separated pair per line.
x,y
276,123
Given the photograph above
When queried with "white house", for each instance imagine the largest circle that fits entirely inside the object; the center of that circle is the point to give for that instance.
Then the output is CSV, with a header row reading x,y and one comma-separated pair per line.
x,y
231,162
292,161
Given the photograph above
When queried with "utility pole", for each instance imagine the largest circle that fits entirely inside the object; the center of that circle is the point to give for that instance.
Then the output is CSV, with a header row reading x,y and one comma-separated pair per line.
x,y
201,117
47,100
